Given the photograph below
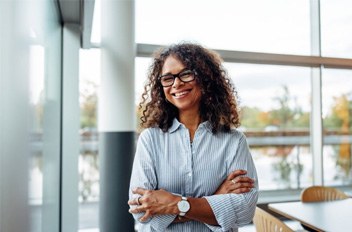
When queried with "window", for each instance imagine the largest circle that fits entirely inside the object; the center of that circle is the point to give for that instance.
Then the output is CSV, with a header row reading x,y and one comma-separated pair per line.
x,y
275,103
45,104
336,28
337,115
88,158
276,100
273,26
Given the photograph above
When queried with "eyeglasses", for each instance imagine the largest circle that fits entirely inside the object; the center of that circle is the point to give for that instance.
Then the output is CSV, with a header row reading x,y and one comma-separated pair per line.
x,y
169,79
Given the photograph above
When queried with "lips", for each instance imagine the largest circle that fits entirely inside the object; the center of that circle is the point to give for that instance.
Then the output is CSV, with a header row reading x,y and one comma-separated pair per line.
x,y
181,94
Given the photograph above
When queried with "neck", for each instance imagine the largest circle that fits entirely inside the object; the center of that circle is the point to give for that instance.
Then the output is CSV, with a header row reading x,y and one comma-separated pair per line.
x,y
191,120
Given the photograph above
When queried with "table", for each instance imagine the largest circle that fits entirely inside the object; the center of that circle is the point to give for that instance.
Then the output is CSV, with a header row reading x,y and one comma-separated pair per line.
x,y
333,216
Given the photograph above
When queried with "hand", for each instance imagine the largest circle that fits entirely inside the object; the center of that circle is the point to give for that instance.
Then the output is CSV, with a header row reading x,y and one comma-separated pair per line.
x,y
154,202
181,219
236,183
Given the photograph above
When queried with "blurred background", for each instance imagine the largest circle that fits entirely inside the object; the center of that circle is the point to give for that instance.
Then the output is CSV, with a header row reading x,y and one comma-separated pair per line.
x,y
72,72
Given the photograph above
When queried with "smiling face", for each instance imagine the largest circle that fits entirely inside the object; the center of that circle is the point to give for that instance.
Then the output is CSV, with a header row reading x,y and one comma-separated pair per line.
x,y
185,96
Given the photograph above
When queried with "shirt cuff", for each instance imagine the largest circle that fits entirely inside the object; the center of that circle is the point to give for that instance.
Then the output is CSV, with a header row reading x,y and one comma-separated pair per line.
x,y
161,222
225,208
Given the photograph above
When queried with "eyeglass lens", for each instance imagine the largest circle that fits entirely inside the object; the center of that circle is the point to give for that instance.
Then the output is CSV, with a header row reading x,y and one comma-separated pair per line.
x,y
169,79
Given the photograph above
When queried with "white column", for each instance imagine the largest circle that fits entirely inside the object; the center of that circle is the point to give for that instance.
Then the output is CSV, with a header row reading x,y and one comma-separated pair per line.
x,y
118,49
70,128
116,116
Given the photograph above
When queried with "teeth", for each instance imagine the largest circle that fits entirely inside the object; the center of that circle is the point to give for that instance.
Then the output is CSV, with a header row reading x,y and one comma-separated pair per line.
x,y
181,93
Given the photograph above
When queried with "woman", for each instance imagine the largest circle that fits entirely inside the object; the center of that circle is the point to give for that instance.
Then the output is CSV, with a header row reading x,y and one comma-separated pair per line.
x,y
189,168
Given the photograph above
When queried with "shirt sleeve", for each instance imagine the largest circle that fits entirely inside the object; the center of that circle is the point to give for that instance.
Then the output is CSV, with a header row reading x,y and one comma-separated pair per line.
x,y
144,176
235,210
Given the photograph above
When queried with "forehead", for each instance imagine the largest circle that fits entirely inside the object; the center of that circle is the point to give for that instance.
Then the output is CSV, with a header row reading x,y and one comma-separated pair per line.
x,y
172,65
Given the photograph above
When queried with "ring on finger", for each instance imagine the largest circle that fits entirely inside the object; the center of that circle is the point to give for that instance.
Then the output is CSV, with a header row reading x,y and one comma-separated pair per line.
x,y
138,202
233,181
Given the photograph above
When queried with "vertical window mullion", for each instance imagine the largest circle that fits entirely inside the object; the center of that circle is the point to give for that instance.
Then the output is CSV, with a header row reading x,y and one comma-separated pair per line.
x,y
316,135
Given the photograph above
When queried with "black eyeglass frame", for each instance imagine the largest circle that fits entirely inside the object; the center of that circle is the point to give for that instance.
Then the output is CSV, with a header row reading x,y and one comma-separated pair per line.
x,y
179,75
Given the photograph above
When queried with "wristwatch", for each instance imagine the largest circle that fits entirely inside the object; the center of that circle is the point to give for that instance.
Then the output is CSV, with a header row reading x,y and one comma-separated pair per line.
x,y
183,206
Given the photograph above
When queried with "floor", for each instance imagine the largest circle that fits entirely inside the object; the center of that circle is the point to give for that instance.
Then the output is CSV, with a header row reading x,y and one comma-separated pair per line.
x,y
296,226
250,228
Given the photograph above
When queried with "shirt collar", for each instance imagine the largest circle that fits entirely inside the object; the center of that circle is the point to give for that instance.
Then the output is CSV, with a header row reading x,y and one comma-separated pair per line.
x,y
207,126
176,124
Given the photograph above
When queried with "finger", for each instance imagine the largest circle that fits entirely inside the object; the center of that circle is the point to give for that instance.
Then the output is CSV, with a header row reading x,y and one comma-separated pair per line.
x,y
131,202
242,179
241,190
145,217
139,191
136,210
242,185
135,201
236,173
138,200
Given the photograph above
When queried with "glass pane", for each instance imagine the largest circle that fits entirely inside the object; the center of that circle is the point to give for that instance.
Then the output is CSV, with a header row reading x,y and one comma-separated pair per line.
x,y
45,101
274,26
337,119
88,185
275,103
336,28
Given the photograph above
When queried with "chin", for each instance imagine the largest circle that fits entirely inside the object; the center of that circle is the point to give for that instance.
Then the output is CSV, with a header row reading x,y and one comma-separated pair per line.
x,y
184,108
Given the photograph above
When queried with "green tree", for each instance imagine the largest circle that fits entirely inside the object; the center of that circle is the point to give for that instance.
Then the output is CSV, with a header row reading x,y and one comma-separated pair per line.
x,y
88,105
253,118
340,120
339,117
287,114
283,115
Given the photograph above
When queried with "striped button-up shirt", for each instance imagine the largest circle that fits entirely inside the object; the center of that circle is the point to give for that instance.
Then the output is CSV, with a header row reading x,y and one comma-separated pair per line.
x,y
169,161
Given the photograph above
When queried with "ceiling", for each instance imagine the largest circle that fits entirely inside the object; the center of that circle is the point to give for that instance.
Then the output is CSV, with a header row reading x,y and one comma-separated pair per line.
x,y
70,11
79,12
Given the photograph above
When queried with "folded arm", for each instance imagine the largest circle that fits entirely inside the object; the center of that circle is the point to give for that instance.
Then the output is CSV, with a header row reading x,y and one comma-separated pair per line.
x,y
161,202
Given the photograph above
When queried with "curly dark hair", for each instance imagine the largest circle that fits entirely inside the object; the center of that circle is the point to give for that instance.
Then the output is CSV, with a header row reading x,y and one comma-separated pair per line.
x,y
218,104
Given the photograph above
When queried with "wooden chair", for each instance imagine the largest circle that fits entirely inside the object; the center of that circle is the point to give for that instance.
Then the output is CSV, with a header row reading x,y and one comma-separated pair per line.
x,y
265,222
322,193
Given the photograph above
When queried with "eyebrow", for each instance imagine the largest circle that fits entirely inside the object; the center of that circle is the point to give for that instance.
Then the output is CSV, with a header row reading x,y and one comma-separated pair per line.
x,y
174,74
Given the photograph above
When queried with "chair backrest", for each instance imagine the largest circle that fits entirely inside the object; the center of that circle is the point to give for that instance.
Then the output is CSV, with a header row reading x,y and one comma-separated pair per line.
x,y
322,193
265,222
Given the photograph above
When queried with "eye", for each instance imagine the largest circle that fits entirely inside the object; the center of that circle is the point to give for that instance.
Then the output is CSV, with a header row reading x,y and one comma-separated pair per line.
x,y
168,78
186,73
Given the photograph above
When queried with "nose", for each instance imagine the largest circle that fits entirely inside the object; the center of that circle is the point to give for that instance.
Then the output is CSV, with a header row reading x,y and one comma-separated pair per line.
x,y
177,82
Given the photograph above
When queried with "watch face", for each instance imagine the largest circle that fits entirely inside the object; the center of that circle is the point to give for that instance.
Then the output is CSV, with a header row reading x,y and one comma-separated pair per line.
x,y
183,206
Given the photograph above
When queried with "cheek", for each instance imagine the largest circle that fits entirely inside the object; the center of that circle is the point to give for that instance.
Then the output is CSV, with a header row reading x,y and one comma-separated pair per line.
x,y
166,92
198,94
